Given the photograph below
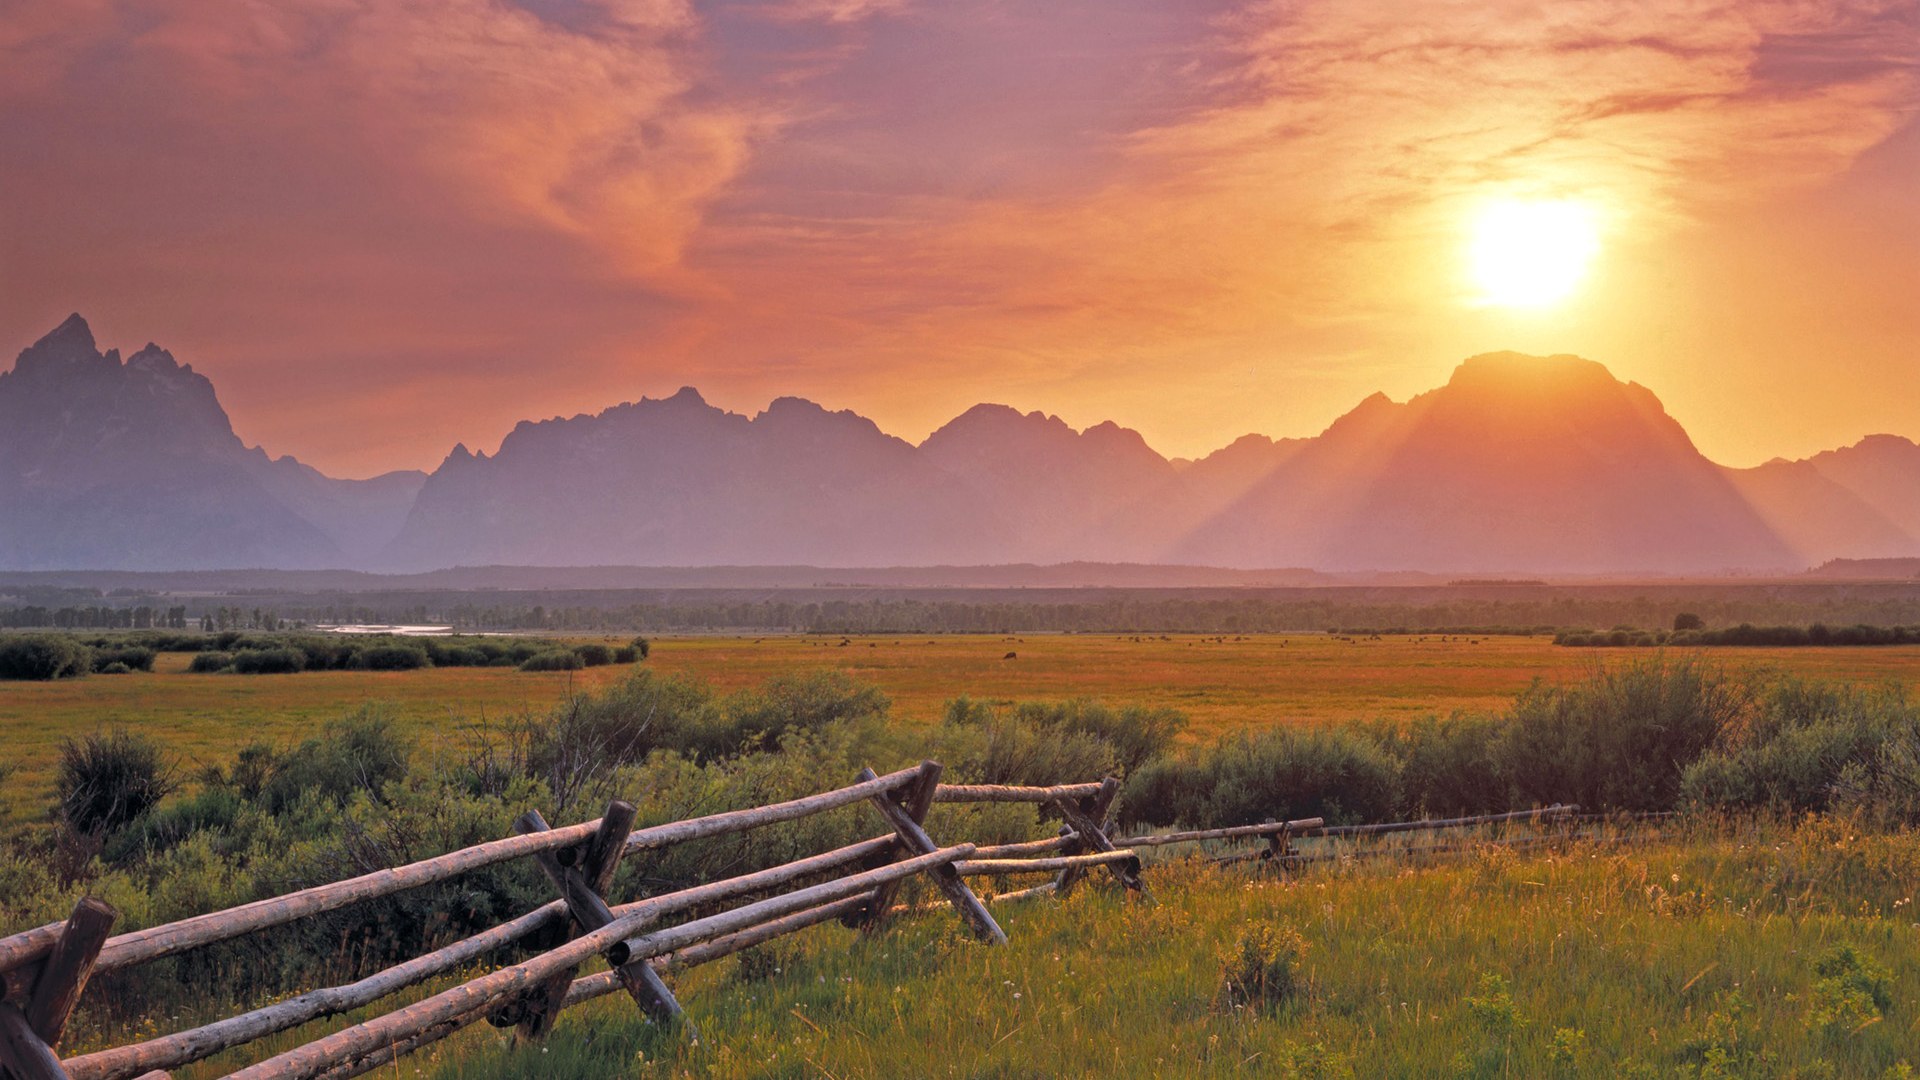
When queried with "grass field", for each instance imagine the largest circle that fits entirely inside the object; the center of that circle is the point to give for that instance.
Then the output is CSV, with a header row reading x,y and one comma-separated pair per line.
x,y
1221,685
1694,956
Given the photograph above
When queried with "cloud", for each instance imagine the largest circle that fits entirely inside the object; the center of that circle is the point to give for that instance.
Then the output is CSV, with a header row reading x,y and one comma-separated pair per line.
x,y
582,125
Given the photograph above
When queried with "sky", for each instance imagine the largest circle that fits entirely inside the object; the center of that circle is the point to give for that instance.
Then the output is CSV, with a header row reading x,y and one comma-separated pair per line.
x,y
385,227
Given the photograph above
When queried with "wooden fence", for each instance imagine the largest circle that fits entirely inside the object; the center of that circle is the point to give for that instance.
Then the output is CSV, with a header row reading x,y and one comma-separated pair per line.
x,y
46,969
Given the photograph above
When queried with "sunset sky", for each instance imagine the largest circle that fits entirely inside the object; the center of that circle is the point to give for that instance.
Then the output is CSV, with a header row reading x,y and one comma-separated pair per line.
x,y
383,227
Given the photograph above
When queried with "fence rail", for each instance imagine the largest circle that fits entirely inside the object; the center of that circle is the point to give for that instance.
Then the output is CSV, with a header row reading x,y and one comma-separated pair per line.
x,y
46,968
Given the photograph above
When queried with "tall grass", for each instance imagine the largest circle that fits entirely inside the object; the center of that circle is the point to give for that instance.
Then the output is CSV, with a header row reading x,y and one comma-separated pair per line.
x,y
1725,952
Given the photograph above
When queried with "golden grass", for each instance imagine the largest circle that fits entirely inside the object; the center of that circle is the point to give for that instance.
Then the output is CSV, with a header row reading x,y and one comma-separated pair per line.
x,y
1222,685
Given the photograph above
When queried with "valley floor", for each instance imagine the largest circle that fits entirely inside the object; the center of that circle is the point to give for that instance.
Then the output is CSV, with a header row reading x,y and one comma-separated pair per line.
x,y
1221,685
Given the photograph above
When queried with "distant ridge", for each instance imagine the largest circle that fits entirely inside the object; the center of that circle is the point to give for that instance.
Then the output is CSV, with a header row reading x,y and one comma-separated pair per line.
x,y
1520,466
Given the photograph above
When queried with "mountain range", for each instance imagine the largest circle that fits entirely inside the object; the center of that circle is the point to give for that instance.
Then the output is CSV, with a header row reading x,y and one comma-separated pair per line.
x,y
1519,464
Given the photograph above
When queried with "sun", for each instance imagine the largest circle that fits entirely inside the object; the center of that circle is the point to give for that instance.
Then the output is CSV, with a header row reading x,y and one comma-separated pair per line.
x,y
1531,253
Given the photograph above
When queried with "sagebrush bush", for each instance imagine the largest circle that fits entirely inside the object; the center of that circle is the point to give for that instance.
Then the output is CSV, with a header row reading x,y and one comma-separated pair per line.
x,y
1621,738
209,663
269,662
1341,774
129,657
1450,765
42,657
1261,970
1802,740
391,658
553,660
108,779
359,754
1135,734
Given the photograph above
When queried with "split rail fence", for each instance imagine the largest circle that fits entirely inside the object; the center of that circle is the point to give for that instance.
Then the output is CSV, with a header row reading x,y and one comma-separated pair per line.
x,y
44,971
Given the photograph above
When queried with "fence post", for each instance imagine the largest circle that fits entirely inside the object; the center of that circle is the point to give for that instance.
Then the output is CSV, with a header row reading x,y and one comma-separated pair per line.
x,y
916,800
944,875
25,1055
590,913
1280,848
1095,808
64,976
1092,833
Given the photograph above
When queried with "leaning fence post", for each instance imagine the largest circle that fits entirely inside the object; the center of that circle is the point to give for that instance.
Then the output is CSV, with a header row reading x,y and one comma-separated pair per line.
x,y
1095,808
944,875
64,976
916,798
1092,833
590,913
25,1055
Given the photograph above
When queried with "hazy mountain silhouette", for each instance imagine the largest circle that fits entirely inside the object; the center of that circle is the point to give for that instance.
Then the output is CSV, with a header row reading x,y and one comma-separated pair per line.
x,y
134,464
1518,464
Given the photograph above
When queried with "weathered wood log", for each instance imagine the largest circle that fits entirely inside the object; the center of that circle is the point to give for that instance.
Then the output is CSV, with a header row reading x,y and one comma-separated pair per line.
x,y
662,942
22,1052
63,977
585,881
1298,827
593,986
590,913
173,1051
452,1008
1003,867
1091,834
916,799
970,793
1094,807
773,877
1545,813
1023,894
140,946
601,858
393,1051
732,821
28,946
944,878
1027,847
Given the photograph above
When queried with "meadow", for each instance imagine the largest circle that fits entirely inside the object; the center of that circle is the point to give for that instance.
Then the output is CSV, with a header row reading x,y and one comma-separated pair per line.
x,y
1768,931
1222,684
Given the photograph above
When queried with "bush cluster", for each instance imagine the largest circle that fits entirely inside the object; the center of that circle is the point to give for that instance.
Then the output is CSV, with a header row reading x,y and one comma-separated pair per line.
x,y
1693,634
241,653
43,657
1654,734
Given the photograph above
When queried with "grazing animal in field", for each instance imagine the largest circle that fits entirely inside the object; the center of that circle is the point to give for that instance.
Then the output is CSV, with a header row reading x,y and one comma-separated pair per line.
x,y
1011,656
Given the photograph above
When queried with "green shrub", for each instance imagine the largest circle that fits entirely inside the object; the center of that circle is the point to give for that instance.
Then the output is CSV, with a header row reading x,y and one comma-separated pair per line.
x,y
129,657
790,701
1804,744
108,779
171,823
1340,774
593,654
1850,992
1011,750
391,658
1261,971
360,753
1621,738
1450,766
115,668
42,657
269,662
208,663
626,654
553,660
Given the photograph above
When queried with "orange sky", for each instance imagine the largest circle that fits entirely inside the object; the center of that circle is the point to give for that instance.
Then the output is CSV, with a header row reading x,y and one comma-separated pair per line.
x,y
385,227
